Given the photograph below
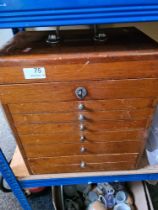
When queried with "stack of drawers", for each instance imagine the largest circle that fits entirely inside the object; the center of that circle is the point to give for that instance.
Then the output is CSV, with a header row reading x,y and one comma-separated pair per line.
x,y
91,108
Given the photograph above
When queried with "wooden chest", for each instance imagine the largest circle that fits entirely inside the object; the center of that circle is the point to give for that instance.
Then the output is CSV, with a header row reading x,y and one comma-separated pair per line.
x,y
80,105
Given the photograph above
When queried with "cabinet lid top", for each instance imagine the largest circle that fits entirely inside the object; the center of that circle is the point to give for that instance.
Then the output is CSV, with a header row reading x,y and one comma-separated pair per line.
x,y
79,44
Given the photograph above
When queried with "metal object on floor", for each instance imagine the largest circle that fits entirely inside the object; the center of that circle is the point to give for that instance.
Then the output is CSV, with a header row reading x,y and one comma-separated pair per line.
x,y
28,13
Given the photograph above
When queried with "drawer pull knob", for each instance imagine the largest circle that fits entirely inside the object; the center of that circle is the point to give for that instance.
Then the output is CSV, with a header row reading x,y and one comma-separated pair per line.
x,y
83,149
81,92
81,107
82,127
82,138
81,117
82,164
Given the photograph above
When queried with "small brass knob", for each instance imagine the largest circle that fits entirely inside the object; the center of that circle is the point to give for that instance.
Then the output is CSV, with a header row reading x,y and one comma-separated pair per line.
x,y
83,149
82,138
81,117
82,164
81,106
82,127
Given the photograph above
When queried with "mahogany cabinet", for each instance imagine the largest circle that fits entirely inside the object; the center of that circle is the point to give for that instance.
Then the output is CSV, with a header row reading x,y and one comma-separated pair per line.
x,y
80,105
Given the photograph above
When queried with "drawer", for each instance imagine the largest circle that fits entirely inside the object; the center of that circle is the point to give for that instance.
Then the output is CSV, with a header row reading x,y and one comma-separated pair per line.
x,y
90,105
76,127
74,137
106,89
90,116
47,167
81,71
98,158
47,150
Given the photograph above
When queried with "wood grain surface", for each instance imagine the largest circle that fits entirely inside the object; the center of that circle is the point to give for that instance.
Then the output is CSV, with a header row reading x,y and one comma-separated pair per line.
x,y
90,105
53,150
105,89
39,167
78,45
75,127
88,116
74,137
90,158
81,71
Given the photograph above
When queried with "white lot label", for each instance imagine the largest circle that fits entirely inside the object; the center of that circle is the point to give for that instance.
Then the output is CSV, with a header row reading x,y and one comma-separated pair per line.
x,y
34,73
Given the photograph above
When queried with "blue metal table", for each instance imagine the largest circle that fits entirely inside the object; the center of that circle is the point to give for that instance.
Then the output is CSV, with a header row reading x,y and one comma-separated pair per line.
x,y
31,13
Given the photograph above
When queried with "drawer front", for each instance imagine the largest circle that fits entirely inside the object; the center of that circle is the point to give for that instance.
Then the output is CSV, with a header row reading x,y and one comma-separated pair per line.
x,y
36,167
82,164
90,105
74,137
97,158
110,107
86,148
112,89
86,116
107,125
81,71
